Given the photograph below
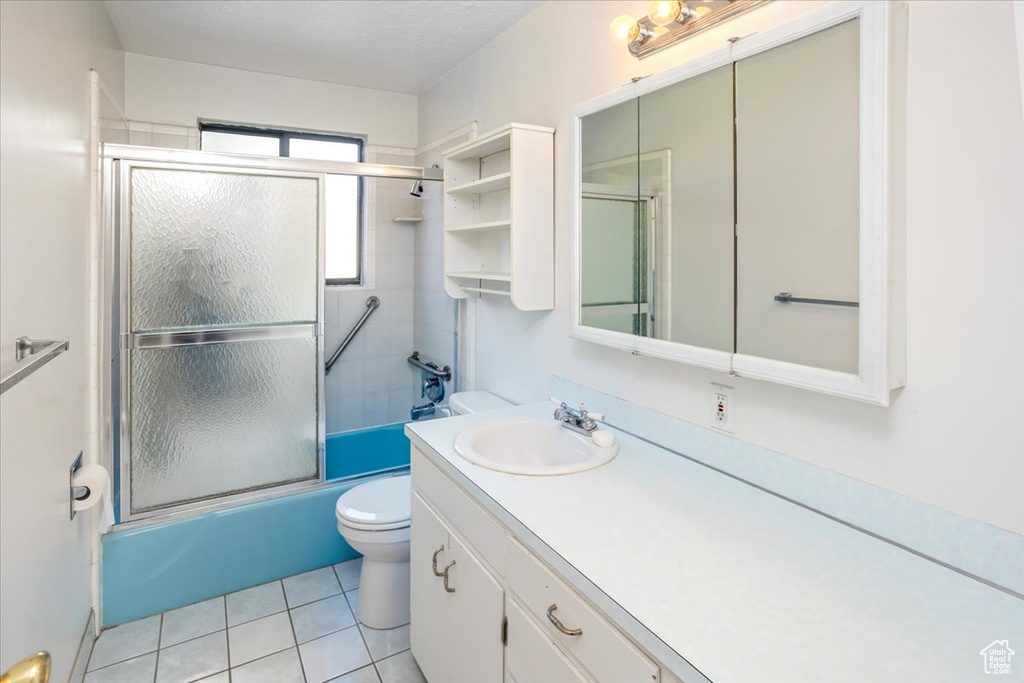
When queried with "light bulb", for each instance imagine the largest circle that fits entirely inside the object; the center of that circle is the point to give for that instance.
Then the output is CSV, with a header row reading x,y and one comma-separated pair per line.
x,y
625,29
664,12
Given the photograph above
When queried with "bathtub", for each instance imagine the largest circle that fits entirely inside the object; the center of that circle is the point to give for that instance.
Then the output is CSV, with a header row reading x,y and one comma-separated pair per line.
x,y
162,566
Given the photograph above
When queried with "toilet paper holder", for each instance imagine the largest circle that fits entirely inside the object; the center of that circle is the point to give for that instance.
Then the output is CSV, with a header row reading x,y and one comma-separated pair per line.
x,y
76,492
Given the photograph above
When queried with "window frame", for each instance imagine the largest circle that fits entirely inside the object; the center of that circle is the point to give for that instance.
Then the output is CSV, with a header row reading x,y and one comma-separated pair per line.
x,y
284,137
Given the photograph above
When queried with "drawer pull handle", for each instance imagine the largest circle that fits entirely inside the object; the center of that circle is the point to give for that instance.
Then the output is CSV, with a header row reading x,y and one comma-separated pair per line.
x,y
433,562
445,574
559,625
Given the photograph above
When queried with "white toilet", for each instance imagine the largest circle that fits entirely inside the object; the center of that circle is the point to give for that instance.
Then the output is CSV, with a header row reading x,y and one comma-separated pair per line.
x,y
374,519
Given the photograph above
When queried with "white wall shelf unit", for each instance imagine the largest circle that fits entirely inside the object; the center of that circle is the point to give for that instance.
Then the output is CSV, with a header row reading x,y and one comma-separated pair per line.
x,y
499,216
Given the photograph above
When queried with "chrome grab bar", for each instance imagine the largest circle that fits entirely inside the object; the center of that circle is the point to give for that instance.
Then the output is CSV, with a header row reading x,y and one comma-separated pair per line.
x,y
559,625
372,304
445,374
29,356
787,298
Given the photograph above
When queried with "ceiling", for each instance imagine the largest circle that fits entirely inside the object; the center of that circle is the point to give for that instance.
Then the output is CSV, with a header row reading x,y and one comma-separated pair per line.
x,y
397,45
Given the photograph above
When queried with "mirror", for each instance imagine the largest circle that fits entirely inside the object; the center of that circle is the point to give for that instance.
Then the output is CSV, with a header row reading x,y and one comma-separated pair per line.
x,y
720,207
797,201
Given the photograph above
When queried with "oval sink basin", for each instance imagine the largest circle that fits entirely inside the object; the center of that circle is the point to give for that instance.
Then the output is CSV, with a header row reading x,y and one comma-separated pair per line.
x,y
530,445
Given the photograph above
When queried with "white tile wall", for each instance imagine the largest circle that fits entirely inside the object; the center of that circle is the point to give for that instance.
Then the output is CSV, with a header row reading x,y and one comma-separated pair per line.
x,y
373,384
434,331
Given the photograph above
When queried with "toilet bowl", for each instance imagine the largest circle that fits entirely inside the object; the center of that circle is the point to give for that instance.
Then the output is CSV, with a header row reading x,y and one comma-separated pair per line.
x,y
374,519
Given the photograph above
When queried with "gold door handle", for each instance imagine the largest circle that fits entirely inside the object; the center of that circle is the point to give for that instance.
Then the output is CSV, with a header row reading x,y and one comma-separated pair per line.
x,y
445,574
33,669
433,562
559,625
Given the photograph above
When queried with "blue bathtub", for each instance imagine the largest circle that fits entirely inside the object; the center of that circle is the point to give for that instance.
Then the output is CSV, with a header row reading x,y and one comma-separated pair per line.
x,y
163,566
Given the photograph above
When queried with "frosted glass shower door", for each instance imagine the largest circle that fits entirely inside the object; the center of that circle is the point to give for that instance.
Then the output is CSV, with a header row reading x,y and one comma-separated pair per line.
x,y
220,310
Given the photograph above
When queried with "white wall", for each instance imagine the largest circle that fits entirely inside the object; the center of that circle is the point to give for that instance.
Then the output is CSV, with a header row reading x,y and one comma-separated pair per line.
x,y
178,93
46,52
953,436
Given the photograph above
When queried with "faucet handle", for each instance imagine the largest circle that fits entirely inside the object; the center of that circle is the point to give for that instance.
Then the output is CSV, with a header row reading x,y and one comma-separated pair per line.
x,y
584,413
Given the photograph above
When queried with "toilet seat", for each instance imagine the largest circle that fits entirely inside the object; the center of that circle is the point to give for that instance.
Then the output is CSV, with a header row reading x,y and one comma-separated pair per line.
x,y
376,506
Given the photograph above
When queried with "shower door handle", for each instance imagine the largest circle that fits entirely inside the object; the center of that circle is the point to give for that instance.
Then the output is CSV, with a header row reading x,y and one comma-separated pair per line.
x,y
433,562
445,574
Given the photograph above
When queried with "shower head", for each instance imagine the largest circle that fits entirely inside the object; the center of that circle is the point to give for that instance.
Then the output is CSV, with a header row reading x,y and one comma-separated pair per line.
x,y
417,188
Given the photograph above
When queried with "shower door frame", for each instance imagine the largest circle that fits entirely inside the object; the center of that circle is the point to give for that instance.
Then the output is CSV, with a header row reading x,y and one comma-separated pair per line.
x,y
125,340
114,414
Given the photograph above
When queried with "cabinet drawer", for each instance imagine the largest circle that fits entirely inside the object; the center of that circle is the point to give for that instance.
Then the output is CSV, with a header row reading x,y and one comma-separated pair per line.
x,y
531,656
474,524
605,652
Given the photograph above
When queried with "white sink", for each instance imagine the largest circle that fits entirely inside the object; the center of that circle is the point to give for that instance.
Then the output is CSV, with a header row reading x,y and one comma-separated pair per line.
x,y
530,445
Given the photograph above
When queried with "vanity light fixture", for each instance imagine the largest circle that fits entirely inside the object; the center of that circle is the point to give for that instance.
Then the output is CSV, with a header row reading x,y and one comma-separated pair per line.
x,y
671,21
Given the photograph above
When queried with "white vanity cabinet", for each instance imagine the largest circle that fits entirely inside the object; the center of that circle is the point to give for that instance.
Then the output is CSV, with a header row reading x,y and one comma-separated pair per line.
x,y
455,599
502,614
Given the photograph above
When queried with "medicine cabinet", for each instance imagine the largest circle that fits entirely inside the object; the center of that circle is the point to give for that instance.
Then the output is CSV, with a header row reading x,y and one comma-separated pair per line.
x,y
744,211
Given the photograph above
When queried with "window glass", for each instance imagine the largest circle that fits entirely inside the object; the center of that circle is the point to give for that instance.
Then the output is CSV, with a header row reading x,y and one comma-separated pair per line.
x,y
324,150
238,143
342,232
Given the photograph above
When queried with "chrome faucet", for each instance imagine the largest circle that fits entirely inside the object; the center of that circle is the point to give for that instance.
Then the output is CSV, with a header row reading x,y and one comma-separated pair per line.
x,y
580,421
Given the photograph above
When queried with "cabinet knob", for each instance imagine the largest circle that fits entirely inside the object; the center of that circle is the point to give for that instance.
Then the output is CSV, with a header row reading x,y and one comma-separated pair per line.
x,y
445,574
433,562
559,625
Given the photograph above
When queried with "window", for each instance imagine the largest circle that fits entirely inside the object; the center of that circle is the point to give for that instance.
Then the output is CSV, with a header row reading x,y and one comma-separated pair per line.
x,y
344,200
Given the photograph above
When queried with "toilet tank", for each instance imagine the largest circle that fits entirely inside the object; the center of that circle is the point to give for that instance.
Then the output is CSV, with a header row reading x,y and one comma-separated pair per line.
x,y
465,402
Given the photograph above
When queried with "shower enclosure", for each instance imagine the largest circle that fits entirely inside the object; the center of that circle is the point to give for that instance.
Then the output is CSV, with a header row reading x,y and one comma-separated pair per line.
x,y
217,324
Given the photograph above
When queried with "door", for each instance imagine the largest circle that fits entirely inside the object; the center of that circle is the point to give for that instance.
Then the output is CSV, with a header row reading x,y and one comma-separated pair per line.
x,y
474,620
531,657
428,600
219,309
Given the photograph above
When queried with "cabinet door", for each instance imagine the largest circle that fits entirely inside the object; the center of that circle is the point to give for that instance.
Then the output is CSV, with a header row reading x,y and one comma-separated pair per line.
x,y
474,621
429,601
531,656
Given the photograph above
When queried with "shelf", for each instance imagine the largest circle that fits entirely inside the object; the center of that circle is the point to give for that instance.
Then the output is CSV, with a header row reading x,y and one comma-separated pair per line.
x,y
482,275
482,290
492,142
501,181
407,219
480,227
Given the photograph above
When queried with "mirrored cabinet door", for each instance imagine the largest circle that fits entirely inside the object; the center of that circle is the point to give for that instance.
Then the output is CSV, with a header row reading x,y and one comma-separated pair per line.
x,y
744,212
686,187
797,166
614,273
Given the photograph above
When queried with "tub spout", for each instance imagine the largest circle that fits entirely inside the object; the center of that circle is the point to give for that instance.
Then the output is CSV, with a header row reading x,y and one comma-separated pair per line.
x,y
422,411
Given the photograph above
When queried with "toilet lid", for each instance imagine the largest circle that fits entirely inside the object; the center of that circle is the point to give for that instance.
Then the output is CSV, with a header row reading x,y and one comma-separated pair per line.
x,y
379,504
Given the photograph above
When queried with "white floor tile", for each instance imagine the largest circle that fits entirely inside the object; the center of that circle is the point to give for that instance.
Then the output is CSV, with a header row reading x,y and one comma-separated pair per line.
x,y
222,677
314,585
193,659
367,674
353,602
260,638
322,617
125,642
400,668
283,667
387,642
256,602
131,671
192,621
333,655
348,573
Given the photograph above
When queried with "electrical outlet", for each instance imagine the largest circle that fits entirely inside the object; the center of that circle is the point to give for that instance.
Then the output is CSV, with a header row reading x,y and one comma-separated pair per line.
x,y
722,405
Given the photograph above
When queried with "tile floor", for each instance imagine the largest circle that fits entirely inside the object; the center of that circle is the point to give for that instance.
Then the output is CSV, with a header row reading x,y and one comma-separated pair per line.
x,y
301,629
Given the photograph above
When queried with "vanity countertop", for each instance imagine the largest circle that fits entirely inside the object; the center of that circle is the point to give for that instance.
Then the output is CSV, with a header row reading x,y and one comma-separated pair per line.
x,y
705,570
